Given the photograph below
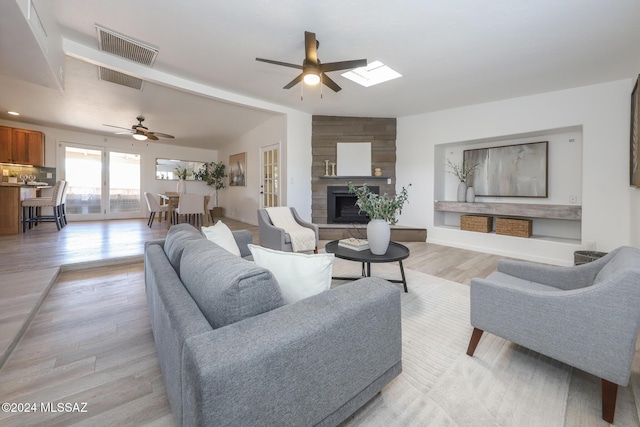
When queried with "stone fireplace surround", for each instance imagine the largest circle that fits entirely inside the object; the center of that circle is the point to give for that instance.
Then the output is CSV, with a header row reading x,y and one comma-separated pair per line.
x,y
327,132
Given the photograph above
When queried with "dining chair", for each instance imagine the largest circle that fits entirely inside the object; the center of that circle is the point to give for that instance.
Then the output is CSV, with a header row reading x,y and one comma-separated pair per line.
x,y
154,207
192,207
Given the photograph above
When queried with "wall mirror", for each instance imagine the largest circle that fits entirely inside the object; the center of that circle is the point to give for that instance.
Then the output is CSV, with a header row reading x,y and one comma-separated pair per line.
x,y
166,168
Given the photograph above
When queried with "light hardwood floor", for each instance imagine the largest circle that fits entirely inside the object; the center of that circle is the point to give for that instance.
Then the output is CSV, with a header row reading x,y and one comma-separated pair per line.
x,y
91,341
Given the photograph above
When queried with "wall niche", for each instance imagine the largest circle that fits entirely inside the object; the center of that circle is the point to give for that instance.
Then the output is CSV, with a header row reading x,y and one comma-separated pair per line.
x,y
564,180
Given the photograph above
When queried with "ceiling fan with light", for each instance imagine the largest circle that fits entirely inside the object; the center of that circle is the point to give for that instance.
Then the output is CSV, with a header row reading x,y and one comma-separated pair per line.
x,y
140,132
313,71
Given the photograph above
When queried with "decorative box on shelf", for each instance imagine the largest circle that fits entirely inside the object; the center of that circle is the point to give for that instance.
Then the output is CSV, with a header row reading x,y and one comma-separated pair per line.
x,y
517,227
483,224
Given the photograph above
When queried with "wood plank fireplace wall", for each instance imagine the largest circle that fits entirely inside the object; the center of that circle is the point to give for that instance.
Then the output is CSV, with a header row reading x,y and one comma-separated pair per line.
x,y
327,131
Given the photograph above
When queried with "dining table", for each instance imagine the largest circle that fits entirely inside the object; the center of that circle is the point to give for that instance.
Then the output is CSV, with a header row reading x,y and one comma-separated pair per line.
x,y
171,199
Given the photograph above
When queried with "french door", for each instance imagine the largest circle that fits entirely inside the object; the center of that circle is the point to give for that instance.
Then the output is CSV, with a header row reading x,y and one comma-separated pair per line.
x,y
270,185
103,184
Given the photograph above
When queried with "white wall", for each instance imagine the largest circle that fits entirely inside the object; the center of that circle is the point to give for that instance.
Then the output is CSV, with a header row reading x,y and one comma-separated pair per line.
x,y
293,132
242,203
149,151
635,215
603,113
297,184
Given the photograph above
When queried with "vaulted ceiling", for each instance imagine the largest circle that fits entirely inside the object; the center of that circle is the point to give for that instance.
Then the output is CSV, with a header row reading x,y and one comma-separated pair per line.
x,y
206,88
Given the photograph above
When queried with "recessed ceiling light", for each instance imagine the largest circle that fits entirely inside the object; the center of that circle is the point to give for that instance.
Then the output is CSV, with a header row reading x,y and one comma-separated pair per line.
x,y
13,113
374,73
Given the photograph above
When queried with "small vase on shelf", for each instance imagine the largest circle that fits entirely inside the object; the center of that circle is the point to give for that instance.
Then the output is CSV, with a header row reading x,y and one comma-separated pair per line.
x,y
462,191
471,195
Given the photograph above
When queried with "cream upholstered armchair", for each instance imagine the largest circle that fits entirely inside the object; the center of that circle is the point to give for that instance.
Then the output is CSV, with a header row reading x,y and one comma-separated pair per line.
x,y
277,238
587,316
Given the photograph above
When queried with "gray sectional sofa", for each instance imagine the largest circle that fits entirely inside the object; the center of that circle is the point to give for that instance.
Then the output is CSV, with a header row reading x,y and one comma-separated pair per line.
x,y
232,353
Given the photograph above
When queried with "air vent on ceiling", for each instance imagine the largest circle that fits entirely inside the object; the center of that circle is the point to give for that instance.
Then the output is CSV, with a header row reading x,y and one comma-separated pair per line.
x,y
125,47
119,78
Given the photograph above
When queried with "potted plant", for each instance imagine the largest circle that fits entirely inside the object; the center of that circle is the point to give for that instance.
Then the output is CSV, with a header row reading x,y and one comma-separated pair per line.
x,y
463,173
382,212
213,173
13,177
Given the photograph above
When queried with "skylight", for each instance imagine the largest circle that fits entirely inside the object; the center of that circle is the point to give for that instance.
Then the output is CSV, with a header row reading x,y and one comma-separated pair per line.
x,y
374,73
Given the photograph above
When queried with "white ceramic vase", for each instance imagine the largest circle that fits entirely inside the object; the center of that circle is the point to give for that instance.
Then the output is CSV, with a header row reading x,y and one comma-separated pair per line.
x,y
378,235
182,187
462,192
471,195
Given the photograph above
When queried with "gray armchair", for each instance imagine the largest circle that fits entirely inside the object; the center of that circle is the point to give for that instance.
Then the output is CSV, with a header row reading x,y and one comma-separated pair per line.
x,y
276,238
586,316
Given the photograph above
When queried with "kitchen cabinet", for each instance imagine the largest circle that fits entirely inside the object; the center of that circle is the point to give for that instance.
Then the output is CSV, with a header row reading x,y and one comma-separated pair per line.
x,y
11,197
21,146
9,210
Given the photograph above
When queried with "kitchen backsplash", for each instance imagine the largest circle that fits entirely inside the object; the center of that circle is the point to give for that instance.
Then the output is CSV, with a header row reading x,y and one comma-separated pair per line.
x,y
41,173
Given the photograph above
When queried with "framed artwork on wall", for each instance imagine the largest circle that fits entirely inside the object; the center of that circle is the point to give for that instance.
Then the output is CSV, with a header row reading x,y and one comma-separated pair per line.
x,y
634,152
519,170
238,170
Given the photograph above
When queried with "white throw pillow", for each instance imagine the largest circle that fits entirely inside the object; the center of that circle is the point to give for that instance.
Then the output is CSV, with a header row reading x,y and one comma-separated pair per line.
x,y
221,235
299,275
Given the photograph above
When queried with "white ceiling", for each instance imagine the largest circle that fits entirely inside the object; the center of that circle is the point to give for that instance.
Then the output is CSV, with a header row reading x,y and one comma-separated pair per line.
x,y
450,52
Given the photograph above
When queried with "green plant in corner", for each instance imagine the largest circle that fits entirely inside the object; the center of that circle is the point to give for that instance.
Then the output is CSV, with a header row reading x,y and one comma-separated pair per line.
x,y
383,207
13,174
213,173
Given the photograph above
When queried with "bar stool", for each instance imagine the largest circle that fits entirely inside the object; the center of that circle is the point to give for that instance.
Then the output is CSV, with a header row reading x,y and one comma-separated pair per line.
x,y
32,208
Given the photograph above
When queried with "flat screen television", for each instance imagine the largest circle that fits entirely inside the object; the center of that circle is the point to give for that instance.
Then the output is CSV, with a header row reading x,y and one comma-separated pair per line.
x,y
519,170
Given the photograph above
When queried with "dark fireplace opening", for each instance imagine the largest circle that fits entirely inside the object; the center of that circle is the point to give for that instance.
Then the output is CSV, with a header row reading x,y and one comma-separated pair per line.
x,y
341,206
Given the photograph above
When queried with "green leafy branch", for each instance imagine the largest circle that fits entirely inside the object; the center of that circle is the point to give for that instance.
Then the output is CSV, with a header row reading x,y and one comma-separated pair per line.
x,y
383,207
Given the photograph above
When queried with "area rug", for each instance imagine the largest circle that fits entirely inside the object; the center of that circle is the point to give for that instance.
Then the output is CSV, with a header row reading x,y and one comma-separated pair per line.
x,y
503,384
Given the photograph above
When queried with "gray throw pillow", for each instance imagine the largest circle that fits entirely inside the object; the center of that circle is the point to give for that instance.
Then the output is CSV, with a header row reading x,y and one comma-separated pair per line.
x,y
227,288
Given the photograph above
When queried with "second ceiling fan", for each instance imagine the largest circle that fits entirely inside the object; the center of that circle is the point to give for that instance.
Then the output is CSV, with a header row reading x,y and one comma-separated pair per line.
x,y
313,71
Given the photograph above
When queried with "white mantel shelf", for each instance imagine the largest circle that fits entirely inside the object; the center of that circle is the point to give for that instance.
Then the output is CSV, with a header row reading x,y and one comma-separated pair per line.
x,y
568,212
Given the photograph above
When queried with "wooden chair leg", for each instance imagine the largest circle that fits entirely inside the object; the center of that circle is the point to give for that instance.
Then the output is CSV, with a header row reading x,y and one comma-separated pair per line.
x,y
609,396
473,342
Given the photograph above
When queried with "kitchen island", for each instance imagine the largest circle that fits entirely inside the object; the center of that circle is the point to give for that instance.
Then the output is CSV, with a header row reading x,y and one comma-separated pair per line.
x,y
11,196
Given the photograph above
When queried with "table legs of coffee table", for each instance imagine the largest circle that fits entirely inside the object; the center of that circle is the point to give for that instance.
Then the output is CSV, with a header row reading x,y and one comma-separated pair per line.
x,y
366,272
404,279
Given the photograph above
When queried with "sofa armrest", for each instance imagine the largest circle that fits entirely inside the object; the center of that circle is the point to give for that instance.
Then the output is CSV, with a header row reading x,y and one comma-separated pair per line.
x,y
593,328
297,364
559,277
243,238
159,242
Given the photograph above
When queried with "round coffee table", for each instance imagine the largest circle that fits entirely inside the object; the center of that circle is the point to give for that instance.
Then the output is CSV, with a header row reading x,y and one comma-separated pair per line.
x,y
395,252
